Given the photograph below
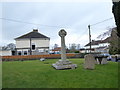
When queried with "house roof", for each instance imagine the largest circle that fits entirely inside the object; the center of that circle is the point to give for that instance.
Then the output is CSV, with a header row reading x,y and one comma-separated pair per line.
x,y
33,34
99,41
57,49
106,40
94,42
104,47
86,49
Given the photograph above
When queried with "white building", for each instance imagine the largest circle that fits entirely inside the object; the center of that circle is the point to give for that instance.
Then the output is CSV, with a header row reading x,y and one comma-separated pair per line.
x,y
32,43
5,52
99,46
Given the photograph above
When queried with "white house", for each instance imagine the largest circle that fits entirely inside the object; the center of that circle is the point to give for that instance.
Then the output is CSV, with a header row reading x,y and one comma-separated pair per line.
x,y
5,52
98,46
32,43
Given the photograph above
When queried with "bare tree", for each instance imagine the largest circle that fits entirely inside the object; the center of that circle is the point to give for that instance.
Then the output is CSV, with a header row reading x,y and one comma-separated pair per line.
x,y
73,47
55,46
11,46
105,34
78,46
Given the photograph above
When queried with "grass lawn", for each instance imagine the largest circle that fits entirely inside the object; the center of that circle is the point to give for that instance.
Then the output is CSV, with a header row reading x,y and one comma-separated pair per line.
x,y
38,74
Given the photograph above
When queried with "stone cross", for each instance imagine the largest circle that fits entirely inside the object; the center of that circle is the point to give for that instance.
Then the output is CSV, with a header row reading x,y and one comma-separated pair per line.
x,y
62,33
63,63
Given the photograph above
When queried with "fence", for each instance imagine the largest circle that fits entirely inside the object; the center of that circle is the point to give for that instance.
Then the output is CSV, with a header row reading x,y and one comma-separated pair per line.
x,y
31,57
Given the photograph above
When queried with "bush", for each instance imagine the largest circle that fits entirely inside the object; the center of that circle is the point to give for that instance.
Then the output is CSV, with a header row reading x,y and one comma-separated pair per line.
x,y
76,51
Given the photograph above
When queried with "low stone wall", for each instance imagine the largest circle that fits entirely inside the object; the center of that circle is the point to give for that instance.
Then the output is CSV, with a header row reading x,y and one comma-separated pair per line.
x,y
33,57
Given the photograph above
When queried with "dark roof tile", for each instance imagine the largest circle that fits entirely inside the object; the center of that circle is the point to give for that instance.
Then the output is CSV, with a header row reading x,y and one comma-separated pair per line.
x,y
33,34
99,41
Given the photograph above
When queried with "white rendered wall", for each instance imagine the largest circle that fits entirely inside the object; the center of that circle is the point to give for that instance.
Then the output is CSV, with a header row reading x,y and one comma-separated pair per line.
x,y
25,43
5,53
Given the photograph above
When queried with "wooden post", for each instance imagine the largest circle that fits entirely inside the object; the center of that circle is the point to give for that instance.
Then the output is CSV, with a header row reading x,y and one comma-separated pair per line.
x,y
30,47
89,37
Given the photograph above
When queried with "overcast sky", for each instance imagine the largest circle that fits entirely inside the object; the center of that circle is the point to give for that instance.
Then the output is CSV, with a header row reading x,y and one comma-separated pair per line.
x,y
74,17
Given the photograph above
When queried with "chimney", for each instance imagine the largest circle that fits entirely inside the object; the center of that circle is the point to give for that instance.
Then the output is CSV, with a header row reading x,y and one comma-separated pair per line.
x,y
35,30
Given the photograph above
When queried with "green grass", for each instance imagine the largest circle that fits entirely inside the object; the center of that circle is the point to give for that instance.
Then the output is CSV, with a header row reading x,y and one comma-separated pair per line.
x,y
37,74
0,74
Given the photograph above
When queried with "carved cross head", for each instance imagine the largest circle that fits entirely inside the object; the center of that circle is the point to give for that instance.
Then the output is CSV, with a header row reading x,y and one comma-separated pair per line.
x,y
62,33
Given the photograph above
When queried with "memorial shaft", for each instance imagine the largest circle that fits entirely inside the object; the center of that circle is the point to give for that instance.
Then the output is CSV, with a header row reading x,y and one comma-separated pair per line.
x,y
63,49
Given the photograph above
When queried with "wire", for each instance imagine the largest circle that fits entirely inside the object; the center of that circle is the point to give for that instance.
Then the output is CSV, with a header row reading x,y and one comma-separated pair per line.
x,y
94,25
28,22
102,21
49,25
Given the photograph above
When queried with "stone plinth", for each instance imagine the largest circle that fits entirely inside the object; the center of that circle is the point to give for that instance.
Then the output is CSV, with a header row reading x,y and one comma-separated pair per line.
x,y
104,61
64,64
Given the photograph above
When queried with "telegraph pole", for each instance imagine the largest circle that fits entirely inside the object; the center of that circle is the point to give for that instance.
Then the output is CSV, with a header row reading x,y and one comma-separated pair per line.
x,y
89,37
30,47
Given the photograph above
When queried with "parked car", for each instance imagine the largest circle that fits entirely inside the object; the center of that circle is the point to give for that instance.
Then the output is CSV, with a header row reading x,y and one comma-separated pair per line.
x,y
105,54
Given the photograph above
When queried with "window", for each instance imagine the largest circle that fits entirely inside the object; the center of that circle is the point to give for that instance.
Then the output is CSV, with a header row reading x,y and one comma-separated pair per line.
x,y
25,52
19,53
13,52
46,50
33,47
